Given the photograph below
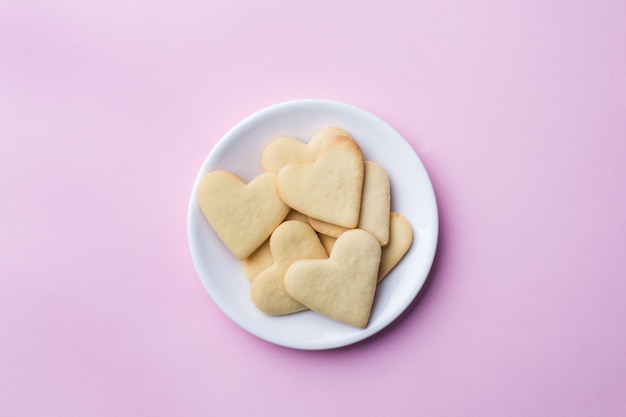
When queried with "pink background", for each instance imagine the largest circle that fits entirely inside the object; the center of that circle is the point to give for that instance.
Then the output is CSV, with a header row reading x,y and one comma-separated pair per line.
x,y
107,110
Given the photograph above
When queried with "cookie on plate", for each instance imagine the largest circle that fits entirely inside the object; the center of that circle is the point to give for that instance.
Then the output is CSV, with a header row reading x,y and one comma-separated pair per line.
x,y
242,215
400,240
261,258
343,286
375,206
291,241
258,261
328,189
284,150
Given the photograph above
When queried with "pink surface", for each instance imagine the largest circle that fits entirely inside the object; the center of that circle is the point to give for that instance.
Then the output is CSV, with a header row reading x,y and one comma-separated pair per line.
x,y
107,110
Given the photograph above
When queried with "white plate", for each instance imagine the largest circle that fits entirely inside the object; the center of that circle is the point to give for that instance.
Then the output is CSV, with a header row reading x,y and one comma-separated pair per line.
x,y
240,151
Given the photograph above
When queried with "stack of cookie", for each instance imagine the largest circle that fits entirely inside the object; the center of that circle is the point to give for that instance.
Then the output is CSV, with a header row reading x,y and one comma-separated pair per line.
x,y
315,230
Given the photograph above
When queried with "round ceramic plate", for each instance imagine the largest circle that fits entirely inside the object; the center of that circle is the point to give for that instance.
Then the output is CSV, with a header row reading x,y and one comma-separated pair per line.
x,y
239,151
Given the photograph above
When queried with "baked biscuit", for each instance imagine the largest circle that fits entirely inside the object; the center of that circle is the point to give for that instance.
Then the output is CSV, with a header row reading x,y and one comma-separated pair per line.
x,y
375,206
343,286
284,150
328,189
291,241
242,215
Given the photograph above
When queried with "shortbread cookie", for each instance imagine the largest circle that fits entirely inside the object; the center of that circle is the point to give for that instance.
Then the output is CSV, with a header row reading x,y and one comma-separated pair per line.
x,y
291,241
258,261
343,286
375,204
283,150
296,215
261,258
327,241
327,229
242,215
329,132
328,189
400,240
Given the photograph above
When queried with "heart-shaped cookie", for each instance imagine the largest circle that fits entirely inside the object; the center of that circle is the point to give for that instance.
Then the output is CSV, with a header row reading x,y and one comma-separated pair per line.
x,y
329,132
296,215
284,150
400,240
343,286
327,241
328,189
261,258
242,215
375,203
258,261
291,241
